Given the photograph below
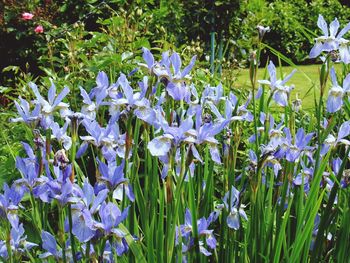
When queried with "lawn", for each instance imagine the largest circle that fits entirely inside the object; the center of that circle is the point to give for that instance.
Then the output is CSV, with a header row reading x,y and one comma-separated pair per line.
x,y
306,81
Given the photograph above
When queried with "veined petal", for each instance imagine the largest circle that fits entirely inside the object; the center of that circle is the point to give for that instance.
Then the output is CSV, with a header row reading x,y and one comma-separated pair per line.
x,y
80,228
148,57
49,242
344,31
334,27
322,24
272,72
176,62
159,146
187,69
334,77
215,154
316,50
281,97
344,130
288,77
61,96
233,221
334,101
52,93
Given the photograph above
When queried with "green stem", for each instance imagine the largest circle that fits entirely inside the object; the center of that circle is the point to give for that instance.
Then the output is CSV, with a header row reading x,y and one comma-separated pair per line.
x,y
72,240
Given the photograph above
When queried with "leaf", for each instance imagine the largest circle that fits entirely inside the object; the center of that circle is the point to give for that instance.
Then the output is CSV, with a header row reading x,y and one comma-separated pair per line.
x,y
134,246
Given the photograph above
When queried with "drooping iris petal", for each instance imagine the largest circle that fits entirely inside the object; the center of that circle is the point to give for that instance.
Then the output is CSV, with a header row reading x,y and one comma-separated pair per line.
x,y
215,154
159,146
178,91
233,221
281,97
204,251
49,242
335,99
344,130
80,226
211,241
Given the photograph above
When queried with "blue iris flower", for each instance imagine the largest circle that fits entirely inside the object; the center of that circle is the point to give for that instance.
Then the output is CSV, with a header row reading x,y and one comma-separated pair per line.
x,y
280,92
336,92
331,40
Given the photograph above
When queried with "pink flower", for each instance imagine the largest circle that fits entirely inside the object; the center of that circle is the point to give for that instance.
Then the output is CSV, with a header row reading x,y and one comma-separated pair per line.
x,y
27,16
39,29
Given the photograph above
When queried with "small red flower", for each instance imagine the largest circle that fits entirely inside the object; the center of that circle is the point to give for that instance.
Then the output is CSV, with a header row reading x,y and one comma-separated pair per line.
x,y
39,29
27,16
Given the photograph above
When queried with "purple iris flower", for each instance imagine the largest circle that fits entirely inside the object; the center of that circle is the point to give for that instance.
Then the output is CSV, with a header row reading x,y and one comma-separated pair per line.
x,y
185,232
270,161
9,203
60,189
111,217
170,68
274,130
230,104
127,98
161,145
52,249
304,177
235,208
205,134
262,119
278,88
60,134
331,40
108,138
29,168
336,163
163,68
18,242
112,176
24,111
89,108
83,211
48,107
336,92
292,150
331,141
100,91
213,94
